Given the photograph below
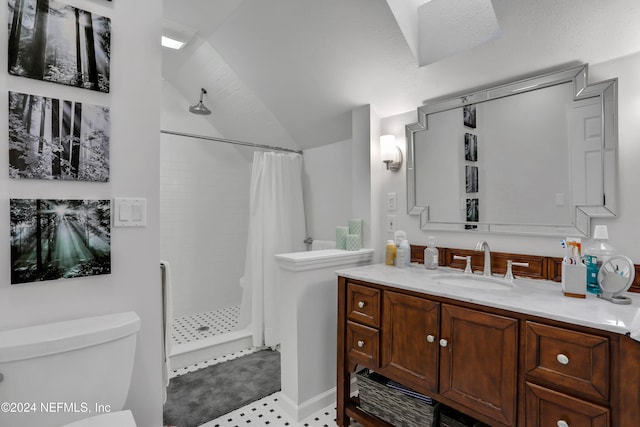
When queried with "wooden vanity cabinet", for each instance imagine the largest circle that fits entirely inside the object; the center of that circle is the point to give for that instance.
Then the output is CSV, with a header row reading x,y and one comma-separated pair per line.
x,y
410,332
572,369
502,368
479,362
451,353
441,348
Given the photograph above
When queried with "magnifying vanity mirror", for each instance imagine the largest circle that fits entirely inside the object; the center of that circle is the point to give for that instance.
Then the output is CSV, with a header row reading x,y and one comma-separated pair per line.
x,y
615,277
535,156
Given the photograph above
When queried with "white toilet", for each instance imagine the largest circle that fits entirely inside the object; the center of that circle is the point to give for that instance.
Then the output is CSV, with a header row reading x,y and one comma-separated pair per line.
x,y
74,373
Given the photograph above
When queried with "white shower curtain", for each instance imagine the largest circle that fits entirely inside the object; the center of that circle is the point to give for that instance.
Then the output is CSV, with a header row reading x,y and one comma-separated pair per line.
x,y
276,225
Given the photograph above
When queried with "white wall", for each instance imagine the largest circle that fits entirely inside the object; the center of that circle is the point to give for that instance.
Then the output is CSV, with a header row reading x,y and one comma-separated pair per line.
x,y
134,283
338,182
204,210
624,232
327,188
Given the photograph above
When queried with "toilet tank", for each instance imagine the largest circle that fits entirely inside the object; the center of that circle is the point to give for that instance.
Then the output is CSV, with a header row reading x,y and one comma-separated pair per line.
x,y
56,373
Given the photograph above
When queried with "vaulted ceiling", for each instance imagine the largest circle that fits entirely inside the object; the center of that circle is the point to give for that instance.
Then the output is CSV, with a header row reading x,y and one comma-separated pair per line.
x,y
289,72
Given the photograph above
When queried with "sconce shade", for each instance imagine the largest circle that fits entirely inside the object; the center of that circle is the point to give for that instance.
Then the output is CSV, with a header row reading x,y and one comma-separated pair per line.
x,y
390,153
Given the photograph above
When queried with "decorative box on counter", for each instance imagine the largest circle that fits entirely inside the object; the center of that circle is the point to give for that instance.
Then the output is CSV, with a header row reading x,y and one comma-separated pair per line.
x,y
393,402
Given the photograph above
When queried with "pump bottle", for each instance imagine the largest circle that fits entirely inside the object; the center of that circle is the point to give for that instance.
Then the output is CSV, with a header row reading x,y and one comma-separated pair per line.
x,y
597,252
431,254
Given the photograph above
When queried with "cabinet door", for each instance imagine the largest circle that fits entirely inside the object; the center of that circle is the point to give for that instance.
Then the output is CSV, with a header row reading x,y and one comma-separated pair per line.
x,y
410,341
478,361
549,408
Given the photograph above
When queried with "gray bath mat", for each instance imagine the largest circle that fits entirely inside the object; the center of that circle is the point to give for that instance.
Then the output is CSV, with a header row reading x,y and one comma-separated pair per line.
x,y
204,395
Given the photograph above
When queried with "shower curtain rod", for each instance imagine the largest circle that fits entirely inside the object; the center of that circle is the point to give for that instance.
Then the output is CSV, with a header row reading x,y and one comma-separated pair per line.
x,y
230,141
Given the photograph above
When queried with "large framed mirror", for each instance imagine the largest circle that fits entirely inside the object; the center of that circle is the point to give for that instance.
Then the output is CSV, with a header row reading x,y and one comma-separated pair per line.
x,y
535,156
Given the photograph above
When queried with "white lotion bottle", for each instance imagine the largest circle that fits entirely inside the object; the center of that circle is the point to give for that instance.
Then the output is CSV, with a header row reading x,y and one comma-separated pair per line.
x,y
407,252
400,259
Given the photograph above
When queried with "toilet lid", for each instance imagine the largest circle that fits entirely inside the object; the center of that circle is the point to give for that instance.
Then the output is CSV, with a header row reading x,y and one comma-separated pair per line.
x,y
120,419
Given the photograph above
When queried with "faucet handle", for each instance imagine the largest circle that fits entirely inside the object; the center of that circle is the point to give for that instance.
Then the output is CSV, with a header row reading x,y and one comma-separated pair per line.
x,y
467,268
509,274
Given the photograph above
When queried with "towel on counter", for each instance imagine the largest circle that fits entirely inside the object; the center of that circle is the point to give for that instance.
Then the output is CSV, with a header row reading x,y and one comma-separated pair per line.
x,y
168,324
319,245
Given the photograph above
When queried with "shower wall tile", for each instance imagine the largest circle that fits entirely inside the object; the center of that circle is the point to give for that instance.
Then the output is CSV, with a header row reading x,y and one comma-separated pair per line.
x,y
204,213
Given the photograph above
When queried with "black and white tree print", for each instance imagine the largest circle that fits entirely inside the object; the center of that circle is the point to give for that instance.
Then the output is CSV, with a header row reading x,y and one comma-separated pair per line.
x,y
55,42
54,239
57,139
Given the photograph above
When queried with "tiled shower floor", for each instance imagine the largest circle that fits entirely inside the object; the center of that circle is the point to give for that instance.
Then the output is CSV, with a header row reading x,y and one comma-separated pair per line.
x,y
197,326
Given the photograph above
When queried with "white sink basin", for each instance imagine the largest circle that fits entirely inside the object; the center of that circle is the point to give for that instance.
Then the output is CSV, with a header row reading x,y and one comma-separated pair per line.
x,y
473,281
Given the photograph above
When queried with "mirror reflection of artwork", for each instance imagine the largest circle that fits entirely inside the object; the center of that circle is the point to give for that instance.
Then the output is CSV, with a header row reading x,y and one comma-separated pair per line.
x,y
471,173
55,239
470,147
54,42
472,213
469,116
553,130
56,139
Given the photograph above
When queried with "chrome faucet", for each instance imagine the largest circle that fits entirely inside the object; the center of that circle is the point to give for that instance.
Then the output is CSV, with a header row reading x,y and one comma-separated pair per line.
x,y
484,246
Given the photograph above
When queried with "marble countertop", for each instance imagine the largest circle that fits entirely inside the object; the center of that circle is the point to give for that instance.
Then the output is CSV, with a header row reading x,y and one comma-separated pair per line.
x,y
541,298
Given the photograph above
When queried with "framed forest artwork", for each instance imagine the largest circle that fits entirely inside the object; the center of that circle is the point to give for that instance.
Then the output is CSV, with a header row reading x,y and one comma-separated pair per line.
x,y
57,139
56,239
58,43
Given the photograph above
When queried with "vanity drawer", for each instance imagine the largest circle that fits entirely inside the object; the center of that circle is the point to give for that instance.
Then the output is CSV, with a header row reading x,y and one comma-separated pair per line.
x,y
568,359
363,345
549,408
363,304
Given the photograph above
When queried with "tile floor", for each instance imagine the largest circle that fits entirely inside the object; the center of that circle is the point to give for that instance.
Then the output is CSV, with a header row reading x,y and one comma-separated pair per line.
x,y
265,412
203,325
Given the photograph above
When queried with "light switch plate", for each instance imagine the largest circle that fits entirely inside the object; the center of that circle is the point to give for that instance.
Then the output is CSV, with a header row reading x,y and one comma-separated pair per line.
x,y
392,203
391,223
129,212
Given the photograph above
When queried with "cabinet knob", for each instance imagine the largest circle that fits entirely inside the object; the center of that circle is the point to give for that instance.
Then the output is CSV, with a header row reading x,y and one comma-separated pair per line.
x,y
361,304
443,342
562,423
430,338
360,343
563,360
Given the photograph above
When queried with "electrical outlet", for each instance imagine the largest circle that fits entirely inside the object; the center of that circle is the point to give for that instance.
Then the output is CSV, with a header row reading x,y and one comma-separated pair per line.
x,y
391,223
392,203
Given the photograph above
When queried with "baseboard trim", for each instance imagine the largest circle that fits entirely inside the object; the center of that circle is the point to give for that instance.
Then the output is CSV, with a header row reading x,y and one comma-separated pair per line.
x,y
308,407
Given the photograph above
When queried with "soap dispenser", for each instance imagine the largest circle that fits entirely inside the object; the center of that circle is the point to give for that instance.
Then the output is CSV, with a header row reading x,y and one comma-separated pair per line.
x,y
431,254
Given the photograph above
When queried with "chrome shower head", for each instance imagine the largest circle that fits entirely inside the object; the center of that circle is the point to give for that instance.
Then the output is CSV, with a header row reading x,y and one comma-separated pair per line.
x,y
199,108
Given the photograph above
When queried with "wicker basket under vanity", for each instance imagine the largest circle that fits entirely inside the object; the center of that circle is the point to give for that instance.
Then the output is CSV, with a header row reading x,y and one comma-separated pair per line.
x,y
381,397
449,417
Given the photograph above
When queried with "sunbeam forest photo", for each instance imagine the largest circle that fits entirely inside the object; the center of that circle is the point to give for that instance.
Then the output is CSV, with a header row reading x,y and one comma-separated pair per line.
x,y
54,42
54,239
56,139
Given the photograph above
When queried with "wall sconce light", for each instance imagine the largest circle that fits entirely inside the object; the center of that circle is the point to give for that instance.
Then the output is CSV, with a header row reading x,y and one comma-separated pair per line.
x,y
390,153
